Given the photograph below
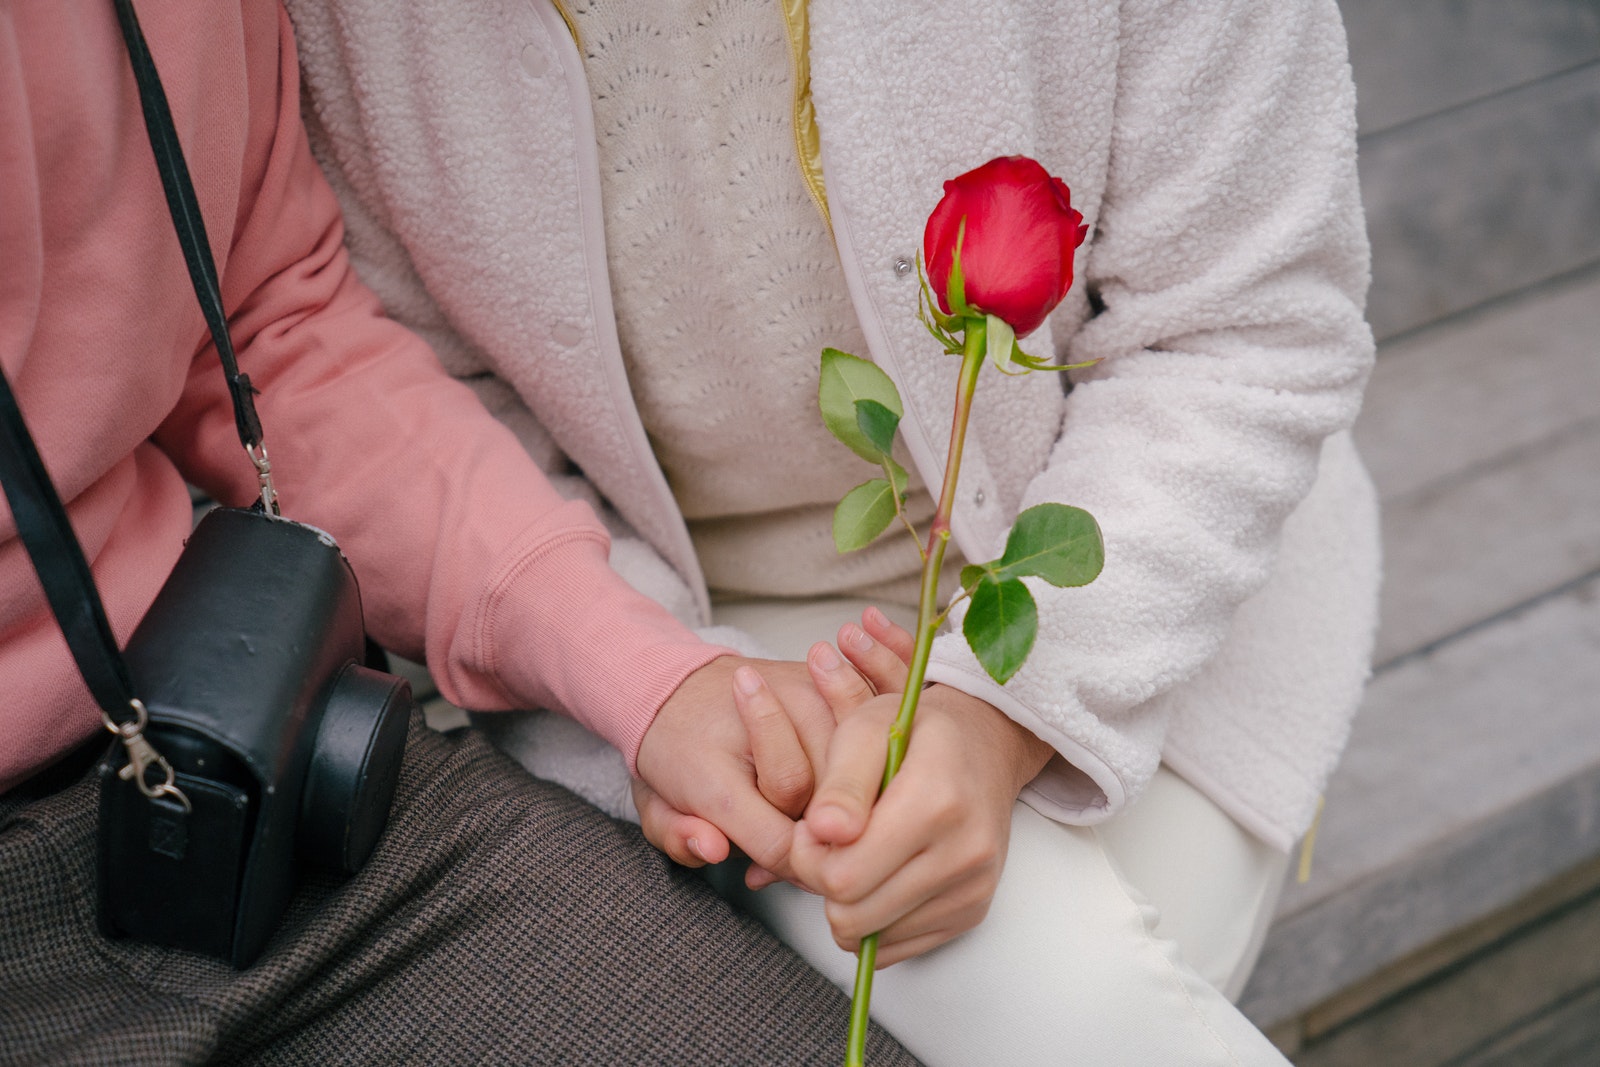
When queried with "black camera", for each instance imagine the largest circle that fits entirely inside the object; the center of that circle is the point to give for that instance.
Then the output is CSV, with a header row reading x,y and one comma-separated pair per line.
x,y
252,663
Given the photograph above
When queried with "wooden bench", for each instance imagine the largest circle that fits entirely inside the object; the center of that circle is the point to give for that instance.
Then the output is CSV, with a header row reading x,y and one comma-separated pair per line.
x,y
1453,914
1466,813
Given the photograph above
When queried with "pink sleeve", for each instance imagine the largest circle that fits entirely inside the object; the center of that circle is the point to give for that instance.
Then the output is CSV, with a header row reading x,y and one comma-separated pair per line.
x,y
463,550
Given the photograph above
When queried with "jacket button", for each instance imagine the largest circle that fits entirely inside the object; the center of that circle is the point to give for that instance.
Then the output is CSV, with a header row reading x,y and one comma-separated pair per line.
x,y
566,334
902,266
977,498
534,60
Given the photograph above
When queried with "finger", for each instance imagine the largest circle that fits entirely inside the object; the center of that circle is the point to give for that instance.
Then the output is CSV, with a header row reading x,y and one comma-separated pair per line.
x,y
783,769
809,714
849,785
840,684
920,899
900,640
941,918
806,857
750,821
876,661
912,817
905,950
687,839
757,878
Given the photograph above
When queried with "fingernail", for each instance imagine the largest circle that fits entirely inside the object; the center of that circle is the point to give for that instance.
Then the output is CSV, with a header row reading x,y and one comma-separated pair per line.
x,y
822,811
874,616
857,638
827,658
694,847
748,681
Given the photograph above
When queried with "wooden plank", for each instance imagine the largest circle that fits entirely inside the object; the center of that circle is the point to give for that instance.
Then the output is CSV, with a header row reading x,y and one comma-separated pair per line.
x,y
1482,201
1462,394
1568,1035
1472,778
1422,56
1468,551
1452,949
1493,994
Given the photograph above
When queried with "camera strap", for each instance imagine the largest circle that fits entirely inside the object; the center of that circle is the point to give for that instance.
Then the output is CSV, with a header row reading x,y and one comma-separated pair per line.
x,y
42,523
184,207
57,557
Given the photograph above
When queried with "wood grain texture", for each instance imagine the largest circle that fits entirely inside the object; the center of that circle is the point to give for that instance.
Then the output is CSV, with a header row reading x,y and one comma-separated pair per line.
x,y
1472,204
1482,1002
1472,777
1423,56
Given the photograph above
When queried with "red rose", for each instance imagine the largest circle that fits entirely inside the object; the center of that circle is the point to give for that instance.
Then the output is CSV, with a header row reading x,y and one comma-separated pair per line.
x,y
1016,255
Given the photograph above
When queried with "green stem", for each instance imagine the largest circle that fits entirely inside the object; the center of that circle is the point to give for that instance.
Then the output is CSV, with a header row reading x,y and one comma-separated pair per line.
x,y
899,509
927,623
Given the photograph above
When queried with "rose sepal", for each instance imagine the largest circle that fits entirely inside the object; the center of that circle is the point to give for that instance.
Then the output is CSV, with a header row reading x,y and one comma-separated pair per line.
x,y
1000,340
1023,359
955,285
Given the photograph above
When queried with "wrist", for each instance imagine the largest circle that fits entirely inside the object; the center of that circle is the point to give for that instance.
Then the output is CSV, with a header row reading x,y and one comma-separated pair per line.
x,y
699,687
1021,753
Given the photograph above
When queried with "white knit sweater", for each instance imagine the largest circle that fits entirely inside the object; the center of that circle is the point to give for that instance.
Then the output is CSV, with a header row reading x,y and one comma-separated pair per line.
x,y
727,287
1210,146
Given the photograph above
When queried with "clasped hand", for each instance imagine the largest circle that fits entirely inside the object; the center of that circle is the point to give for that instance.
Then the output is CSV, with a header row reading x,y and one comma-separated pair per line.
x,y
919,867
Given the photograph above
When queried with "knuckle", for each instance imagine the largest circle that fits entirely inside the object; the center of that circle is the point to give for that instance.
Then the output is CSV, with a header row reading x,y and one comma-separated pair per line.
x,y
939,804
833,884
986,857
847,933
791,782
839,885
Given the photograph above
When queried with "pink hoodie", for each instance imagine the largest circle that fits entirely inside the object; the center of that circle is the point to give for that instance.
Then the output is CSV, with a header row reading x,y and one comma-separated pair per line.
x,y
463,550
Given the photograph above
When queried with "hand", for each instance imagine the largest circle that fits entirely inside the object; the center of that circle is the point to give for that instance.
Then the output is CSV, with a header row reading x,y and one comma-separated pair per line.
x,y
776,743
922,865
699,758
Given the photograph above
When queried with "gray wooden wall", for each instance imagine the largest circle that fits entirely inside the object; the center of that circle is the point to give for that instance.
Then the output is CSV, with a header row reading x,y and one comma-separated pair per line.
x,y
1480,148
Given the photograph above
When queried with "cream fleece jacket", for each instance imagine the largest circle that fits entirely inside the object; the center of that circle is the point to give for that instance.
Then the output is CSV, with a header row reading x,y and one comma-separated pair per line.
x,y
1210,146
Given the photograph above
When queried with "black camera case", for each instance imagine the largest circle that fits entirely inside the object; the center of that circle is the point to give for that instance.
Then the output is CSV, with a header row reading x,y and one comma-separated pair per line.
x,y
286,745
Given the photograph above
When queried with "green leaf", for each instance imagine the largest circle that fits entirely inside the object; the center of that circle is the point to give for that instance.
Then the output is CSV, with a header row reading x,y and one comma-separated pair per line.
x,y
1001,624
973,573
864,513
1055,542
877,424
955,286
844,380
1000,339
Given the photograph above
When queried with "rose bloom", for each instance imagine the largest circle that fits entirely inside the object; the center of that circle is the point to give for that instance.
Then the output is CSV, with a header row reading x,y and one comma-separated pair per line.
x,y
1016,256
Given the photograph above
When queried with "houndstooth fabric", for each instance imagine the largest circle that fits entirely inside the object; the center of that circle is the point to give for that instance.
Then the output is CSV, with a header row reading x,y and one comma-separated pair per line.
x,y
500,920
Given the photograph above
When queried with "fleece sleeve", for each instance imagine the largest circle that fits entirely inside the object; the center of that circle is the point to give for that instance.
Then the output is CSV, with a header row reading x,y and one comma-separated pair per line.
x,y
464,552
1228,265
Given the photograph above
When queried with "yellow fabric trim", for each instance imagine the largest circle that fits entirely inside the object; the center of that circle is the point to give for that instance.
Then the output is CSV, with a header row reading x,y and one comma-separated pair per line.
x,y
1309,844
807,142
572,24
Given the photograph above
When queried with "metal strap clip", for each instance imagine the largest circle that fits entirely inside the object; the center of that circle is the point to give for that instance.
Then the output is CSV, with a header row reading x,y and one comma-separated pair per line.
x,y
269,495
142,755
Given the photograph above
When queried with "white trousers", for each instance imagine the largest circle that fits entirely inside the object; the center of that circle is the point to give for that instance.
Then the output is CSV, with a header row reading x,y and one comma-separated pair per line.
x,y
1116,945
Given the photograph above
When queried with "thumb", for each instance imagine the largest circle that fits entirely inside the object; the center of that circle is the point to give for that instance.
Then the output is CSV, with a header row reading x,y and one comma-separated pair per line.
x,y
849,786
